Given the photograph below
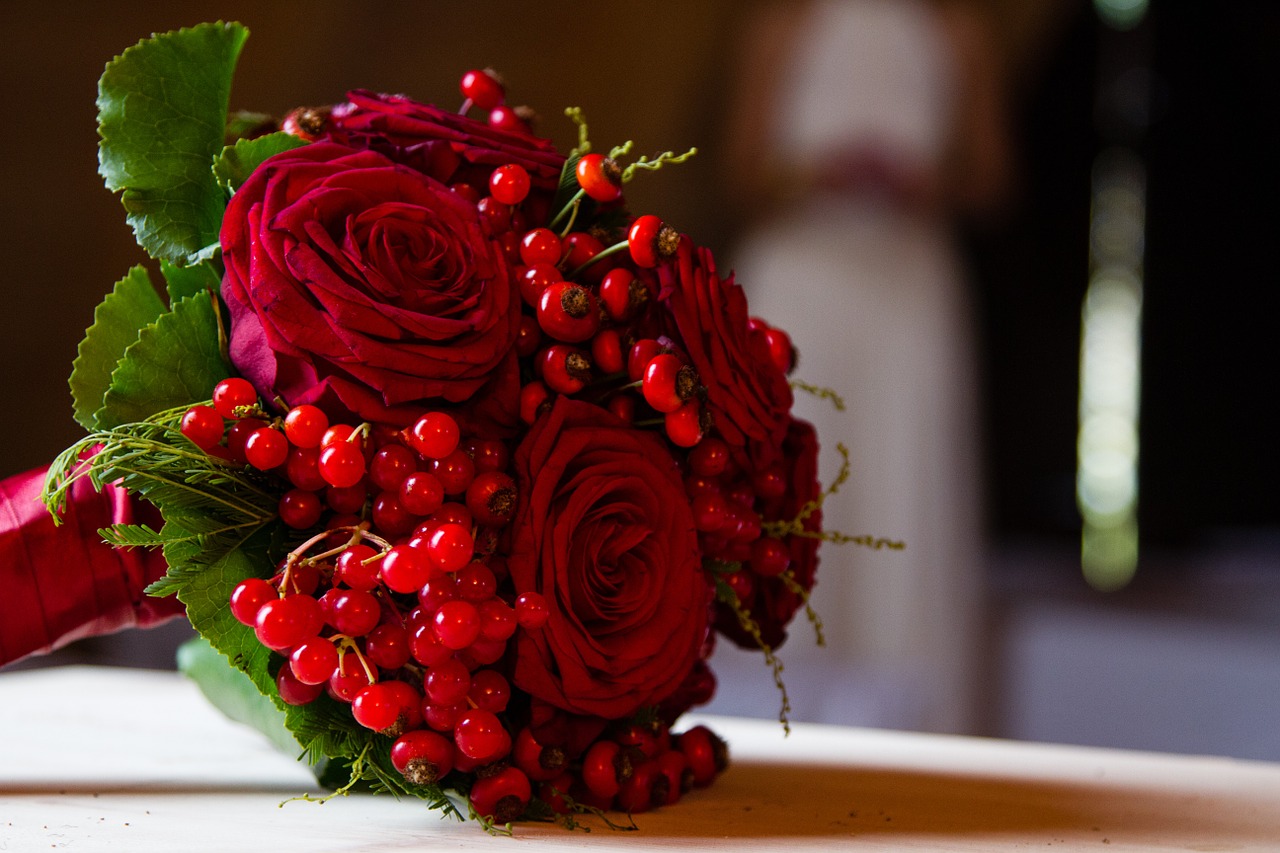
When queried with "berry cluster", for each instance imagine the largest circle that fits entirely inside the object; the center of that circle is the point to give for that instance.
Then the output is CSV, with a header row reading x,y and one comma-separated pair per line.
x,y
398,607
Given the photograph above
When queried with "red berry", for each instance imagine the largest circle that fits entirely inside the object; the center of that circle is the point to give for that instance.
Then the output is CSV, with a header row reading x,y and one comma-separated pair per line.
x,y
356,612
304,426
299,508
422,757
314,660
482,88
248,597
651,242
303,468
528,336
389,515
480,736
600,177
534,400
580,247
342,464
540,762
642,352
490,690
386,706
405,568
606,351
540,246
684,425
450,546
435,435
495,215
501,797
565,369
532,611
646,789
447,682
666,383
769,557
282,623
457,624
509,119
705,752
231,394
238,436
604,766
390,465
509,184
203,426
421,493
475,582
488,454
491,497
354,569
568,312
387,646
294,692
456,471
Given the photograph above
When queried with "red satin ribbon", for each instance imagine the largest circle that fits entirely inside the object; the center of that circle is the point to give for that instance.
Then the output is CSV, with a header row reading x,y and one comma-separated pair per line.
x,y
61,583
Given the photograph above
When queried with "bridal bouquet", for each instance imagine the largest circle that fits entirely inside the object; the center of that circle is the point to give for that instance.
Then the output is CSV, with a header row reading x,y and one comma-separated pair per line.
x,y
458,465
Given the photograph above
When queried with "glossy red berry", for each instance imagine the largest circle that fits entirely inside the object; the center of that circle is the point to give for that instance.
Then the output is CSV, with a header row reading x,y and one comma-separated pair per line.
x,y
667,382
769,557
304,426
457,624
684,425
607,351
532,611
540,762
447,683
534,400
480,736
341,464
650,241
387,706
422,757
248,597
456,471
565,369
314,660
355,612
540,246
231,394
501,797
710,458
642,352
435,435
705,752
387,646
294,692
356,568
299,509
600,177
405,568
509,184
282,623
510,119
491,497
203,426
482,88
604,767
568,312
534,280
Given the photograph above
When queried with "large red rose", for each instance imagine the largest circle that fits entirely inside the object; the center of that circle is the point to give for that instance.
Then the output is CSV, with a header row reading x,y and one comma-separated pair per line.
x,y
363,286
447,146
605,532
772,603
748,396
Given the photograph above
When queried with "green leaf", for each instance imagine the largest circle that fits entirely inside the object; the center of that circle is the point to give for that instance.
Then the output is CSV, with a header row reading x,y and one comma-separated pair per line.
x,y
233,693
132,305
236,162
162,115
175,361
190,280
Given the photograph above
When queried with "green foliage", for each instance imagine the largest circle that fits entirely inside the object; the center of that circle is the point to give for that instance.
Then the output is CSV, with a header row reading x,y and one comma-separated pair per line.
x,y
190,280
236,163
174,360
132,305
162,115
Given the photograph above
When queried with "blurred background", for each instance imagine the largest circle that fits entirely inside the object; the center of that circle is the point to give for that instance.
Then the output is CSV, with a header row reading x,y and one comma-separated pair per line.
x,y
1033,245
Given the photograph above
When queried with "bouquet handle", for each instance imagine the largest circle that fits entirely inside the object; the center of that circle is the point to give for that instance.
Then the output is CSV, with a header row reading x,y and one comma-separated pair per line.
x,y
62,582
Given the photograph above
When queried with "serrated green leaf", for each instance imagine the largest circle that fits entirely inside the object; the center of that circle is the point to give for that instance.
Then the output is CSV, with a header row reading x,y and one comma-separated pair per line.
x,y
236,163
190,280
132,305
162,114
175,361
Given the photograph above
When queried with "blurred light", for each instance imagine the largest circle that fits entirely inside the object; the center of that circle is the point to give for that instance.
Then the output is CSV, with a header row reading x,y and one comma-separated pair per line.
x,y
1110,373
1121,14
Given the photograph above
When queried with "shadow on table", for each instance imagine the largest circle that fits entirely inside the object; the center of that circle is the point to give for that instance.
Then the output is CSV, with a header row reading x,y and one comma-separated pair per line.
x,y
754,800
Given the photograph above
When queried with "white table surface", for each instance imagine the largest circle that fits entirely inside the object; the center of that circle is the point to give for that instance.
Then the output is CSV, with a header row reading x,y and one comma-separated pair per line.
x,y
105,759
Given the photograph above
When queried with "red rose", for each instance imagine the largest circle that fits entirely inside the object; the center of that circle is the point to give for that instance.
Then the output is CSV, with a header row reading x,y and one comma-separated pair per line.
x,y
358,284
748,396
447,146
772,603
605,533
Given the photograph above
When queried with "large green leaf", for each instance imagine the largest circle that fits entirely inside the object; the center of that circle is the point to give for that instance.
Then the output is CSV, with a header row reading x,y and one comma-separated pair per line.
x,y
236,163
175,361
162,115
190,280
132,305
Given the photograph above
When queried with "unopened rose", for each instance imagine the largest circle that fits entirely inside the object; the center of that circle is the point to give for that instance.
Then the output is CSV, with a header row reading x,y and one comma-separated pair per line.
x,y
447,146
363,286
605,533
748,397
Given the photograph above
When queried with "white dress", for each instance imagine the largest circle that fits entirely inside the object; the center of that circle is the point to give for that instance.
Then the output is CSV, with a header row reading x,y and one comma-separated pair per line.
x,y
873,296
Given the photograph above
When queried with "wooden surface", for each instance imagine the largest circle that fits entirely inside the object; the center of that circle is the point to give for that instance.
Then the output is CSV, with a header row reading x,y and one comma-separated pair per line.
x,y
102,759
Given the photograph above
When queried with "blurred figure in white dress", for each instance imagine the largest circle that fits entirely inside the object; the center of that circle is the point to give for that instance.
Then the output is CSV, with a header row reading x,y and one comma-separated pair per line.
x,y
870,124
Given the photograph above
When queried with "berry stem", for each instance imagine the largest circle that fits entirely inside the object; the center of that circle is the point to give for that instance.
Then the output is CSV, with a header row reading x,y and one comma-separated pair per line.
x,y
620,246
